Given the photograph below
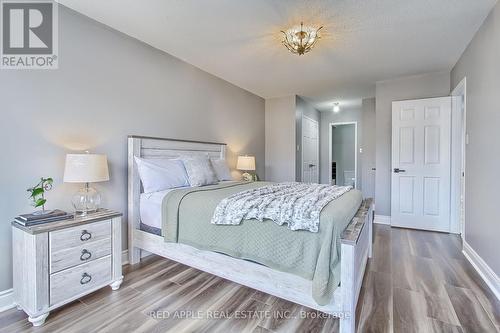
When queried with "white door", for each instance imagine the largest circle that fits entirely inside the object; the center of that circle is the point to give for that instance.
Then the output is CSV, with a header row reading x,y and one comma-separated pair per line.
x,y
421,145
310,150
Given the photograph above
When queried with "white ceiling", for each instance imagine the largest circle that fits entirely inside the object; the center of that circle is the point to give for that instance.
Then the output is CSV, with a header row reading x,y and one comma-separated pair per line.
x,y
364,41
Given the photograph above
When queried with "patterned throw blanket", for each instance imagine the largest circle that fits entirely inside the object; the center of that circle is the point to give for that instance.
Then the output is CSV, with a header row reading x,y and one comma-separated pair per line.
x,y
297,204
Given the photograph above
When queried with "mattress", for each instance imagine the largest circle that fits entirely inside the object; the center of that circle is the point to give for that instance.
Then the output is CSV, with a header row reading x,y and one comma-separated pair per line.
x,y
150,208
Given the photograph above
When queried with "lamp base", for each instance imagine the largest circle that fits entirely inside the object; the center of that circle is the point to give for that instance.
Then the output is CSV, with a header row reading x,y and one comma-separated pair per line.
x,y
249,177
85,212
86,201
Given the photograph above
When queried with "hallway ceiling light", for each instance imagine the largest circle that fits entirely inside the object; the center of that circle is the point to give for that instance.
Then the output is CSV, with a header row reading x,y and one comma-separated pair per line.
x,y
300,39
336,107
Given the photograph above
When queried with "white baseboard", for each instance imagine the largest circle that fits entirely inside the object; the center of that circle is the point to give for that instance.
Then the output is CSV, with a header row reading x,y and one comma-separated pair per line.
x,y
124,257
144,254
382,219
486,273
6,300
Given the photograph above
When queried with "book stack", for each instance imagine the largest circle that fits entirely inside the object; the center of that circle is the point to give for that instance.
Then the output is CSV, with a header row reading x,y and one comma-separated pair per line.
x,y
34,218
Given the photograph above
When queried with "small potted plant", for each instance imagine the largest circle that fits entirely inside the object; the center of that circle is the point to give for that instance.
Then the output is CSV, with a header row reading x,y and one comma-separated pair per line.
x,y
37,195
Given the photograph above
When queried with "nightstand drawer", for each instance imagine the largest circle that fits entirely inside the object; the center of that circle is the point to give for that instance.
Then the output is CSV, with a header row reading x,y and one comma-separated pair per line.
x,y
77,255
58,262
79,280
79,235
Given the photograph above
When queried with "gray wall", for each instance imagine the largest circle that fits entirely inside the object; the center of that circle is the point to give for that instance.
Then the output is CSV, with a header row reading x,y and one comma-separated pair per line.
x,y
280,138
480,64
343,150
303,108
327,117
368,155
413,87
108,86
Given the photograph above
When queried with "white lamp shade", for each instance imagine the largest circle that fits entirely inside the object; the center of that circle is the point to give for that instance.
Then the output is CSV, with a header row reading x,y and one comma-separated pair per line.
x,y
246,163
86,168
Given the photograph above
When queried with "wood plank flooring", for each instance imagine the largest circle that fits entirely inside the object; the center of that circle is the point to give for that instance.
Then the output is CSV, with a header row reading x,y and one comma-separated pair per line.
x,y
417,281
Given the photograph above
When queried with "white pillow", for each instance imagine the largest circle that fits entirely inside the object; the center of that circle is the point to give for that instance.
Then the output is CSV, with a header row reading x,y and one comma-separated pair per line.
x,y
200,171
161,174
221,169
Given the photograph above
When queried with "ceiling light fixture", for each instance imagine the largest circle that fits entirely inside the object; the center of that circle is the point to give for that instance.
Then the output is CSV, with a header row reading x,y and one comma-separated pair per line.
x,y
300,40
336,107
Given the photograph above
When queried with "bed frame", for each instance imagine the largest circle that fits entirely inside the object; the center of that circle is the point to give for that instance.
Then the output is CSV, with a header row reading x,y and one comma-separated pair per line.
x,y
356,245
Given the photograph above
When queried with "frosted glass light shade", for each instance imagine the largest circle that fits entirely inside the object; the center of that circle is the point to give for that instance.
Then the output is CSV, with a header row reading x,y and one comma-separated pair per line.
x,y
86,168
246,163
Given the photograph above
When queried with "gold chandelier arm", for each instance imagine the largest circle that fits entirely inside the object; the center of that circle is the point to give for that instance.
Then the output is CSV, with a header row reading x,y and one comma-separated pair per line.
x,y
300,41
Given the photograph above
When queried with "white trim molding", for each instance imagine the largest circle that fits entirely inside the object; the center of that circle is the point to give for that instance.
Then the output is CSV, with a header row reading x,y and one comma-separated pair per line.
x,y
382,219
124,257
144,254
459,142
486,273
6,300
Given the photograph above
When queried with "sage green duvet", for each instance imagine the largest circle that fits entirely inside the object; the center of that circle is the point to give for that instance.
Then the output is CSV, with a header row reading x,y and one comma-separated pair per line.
x,y
186,215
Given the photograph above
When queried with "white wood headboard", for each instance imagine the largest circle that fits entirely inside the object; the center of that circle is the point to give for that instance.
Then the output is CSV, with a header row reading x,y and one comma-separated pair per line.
x,y
150,147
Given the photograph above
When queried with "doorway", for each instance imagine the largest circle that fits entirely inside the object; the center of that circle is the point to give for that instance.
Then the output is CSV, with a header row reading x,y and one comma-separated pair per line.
x,y
459,141
343,157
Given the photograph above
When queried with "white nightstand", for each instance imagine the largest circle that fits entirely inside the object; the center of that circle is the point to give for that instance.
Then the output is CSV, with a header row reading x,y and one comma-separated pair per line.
x,y
56,263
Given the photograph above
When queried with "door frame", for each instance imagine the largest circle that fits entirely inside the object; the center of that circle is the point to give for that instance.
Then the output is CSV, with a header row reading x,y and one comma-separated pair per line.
x,y
302,148
330,128
460,108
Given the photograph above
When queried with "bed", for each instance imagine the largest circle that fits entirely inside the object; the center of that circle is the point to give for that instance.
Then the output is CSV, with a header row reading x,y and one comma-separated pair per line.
x,y
151,230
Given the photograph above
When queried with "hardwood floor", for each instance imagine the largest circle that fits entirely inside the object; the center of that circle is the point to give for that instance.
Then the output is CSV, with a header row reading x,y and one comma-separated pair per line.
x,y
417,281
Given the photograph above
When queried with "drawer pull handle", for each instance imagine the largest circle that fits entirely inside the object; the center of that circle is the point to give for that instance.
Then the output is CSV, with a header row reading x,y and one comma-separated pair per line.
x,y
85,236
86,255
86,278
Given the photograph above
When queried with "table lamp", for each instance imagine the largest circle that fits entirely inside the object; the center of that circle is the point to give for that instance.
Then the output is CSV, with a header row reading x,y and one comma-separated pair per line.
x,y
86,168
246,163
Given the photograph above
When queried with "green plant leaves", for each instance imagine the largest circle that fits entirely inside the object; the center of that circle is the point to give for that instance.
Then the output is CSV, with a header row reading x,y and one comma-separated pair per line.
x,y
36,192
40,202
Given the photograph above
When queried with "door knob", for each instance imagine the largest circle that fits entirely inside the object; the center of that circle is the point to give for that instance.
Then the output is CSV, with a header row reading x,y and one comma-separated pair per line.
x,y
311,165
398,170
